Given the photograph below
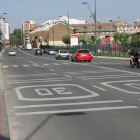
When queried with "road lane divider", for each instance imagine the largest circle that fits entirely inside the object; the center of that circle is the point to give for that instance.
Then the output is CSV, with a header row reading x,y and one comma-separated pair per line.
x,y
76,110
68,104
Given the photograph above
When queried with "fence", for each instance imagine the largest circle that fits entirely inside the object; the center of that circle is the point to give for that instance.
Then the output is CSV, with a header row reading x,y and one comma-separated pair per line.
x,y
112,50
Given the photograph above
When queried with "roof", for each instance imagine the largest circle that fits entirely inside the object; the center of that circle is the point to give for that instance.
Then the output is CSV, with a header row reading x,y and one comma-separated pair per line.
x,y
87,29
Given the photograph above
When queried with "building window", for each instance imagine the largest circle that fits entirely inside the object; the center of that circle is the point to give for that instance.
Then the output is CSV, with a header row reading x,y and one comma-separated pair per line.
x,y
107,33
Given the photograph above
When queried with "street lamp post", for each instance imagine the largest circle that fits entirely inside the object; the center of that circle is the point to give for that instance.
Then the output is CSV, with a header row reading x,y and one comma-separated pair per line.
x,y
119,32
94,18
111,29
3,14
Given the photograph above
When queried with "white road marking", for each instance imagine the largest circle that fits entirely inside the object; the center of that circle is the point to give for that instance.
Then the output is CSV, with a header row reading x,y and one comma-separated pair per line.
x,y
25,65
122,90
68,104
133,85
36,65
66,63
105,76
32,62
117,70
55,64
15,66
20,97
115,77
88,72
30,75
5,66
76,110
68,76
99,88
51,69
37,80
45,64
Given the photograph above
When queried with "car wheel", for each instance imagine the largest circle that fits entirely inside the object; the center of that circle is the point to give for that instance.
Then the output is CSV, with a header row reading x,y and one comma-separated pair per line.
x,y
89,61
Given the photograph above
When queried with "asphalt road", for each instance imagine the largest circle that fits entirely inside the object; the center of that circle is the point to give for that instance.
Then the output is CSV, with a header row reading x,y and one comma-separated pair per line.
x,y
50,99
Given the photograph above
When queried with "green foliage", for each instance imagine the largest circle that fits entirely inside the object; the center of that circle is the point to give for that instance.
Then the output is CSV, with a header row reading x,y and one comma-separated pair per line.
x,y
121,37
15,38
66,39
85,41
135,38
99,41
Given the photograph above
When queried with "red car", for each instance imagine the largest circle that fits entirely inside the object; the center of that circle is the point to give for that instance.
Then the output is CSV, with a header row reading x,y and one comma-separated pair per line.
x,y
81,55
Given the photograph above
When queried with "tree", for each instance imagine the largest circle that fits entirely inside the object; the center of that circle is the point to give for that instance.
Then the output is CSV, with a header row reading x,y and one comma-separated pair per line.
x,y
99,41
13,39
121,37
17,33
66,39
135,38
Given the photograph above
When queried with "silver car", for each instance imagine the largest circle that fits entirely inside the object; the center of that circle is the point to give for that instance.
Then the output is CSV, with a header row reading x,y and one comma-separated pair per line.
x,y
12,53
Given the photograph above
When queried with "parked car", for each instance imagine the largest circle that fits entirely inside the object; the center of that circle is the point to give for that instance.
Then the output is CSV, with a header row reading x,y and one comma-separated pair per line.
x,y
51,51
81,54
90,53
46,50
38,52
62,54
23,47
28,46
12,53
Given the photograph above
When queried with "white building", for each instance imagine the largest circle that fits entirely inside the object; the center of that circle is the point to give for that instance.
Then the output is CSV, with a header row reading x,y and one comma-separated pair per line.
x,y
65,20
5,31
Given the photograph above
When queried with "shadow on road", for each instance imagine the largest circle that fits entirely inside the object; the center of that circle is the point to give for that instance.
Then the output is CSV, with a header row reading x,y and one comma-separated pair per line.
x,y
70,114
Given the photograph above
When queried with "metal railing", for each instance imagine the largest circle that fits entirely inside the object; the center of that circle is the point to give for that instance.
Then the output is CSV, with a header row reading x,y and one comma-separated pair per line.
x,y
110,50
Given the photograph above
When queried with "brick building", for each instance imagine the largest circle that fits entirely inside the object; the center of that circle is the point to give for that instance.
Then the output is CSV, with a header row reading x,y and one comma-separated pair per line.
x,y
50,34
88,30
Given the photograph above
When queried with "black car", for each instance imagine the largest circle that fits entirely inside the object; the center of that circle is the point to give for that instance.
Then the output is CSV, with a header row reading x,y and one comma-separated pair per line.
x,y
23,48
38,52
46,50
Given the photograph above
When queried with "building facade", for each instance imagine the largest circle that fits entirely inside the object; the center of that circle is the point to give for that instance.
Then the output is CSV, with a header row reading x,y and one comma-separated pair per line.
x,y
27,27
50,34
4,32
65,19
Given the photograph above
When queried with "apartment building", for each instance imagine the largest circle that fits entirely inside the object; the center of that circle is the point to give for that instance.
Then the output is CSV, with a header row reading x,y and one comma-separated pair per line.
x,y
27,27
5,32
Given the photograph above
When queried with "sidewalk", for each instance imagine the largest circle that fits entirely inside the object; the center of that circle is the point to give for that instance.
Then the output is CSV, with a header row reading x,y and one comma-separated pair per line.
x,y
114,58
4,128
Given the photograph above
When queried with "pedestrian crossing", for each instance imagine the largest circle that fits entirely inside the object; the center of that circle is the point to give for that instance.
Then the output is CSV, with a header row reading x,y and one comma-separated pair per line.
x,y
36,65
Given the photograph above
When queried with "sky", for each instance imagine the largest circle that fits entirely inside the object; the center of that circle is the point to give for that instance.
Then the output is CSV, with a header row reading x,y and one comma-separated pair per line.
x,y
19,11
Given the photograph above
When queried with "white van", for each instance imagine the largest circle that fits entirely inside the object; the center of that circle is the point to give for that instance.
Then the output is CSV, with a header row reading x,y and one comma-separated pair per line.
x,y
28,46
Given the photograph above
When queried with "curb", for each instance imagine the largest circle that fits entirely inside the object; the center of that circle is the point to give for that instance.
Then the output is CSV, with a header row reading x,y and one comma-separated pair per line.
x,y
4,126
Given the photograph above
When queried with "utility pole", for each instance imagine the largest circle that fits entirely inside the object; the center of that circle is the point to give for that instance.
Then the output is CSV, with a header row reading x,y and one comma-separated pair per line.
x,y
68,31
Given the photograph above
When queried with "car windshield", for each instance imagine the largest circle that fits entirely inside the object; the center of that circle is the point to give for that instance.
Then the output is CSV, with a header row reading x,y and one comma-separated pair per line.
x,y
64,52
83,51
51,50
12,51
